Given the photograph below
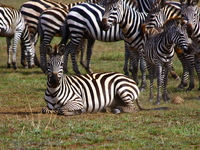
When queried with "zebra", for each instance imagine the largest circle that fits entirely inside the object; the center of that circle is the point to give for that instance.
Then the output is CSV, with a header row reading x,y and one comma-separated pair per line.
x,y
13,26
192,12
118,12
159,52
51,21
31,11
83,21
96,92
157,20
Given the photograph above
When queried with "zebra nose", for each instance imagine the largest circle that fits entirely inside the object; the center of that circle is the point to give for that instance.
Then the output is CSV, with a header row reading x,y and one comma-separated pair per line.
x,y
104,24
53,80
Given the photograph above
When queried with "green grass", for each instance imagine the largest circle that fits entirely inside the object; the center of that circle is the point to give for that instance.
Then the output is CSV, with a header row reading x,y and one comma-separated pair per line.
x,y
22,126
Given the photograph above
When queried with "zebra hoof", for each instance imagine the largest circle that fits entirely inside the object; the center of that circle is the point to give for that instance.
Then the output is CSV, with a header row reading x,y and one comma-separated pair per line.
x,y
116,111
157,103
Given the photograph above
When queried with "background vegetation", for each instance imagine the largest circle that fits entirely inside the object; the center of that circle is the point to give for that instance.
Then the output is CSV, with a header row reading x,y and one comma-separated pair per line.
x,y
22,126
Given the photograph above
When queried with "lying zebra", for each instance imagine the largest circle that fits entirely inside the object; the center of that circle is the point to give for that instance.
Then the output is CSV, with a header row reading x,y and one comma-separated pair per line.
x,y
70,95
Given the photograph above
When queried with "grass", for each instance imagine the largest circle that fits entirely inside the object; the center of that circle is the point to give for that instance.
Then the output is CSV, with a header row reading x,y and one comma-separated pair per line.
x,y
22,126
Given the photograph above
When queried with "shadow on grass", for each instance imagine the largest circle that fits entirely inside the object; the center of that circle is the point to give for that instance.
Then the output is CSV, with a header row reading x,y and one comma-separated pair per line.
x,y
20,113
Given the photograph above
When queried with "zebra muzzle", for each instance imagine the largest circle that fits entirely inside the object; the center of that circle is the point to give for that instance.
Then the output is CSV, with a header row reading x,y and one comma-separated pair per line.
x,y
53,80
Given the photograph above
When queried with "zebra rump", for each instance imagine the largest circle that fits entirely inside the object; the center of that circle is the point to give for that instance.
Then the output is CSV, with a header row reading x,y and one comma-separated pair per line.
x,y
96,92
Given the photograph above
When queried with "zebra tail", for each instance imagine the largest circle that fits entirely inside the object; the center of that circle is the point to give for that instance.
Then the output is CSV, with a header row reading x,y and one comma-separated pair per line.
x,y
158,108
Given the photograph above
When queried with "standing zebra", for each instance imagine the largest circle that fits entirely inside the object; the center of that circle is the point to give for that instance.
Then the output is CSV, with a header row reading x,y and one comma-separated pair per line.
x,y
31,11
159,51
13,26
83,21
118,12
192,13
187,60
70,95
50,24
51,21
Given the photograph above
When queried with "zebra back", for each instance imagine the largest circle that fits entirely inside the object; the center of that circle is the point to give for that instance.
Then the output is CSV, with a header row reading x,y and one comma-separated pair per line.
x,y
32,9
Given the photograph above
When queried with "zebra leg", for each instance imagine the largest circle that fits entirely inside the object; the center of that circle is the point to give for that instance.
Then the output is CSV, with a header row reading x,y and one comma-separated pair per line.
x,y
23,55
197,68
81,48
165,95
128,108
143,71
184,62
16,38
89,54
191,67
43,58
159,83
71,48
34,40
151,70
72,108
134,56
46,110
9,51
127,56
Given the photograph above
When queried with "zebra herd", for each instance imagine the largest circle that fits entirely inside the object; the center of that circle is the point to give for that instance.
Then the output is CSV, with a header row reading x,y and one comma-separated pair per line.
x,y
152,30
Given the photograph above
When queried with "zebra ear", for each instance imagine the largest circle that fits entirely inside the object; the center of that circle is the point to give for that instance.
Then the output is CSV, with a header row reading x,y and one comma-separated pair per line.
x,y
61,49
48,49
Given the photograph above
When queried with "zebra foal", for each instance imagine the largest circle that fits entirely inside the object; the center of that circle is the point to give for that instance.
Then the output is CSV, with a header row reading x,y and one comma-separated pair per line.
x,y
71,95
159,52
13,26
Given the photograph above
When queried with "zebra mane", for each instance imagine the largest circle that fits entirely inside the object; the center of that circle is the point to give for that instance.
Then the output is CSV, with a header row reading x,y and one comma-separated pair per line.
x,y
2,5
58,50
172,21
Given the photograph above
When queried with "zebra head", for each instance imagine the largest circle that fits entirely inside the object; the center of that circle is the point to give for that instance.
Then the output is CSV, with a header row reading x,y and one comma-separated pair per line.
x,y
190,11
112,13
176,30
55,65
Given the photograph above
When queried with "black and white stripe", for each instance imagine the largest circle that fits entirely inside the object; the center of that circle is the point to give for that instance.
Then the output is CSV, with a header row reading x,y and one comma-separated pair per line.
x,y
191,11
83,21
175,9
121,13
13,26
31,10
70,95
159,51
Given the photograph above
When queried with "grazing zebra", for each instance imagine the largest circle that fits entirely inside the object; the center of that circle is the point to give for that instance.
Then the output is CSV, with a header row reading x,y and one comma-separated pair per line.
x,y
31,11
70,95
83,21
159,51
13,26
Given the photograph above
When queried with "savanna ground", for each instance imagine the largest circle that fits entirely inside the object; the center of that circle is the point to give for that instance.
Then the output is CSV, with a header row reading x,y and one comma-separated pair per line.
x,y
22,126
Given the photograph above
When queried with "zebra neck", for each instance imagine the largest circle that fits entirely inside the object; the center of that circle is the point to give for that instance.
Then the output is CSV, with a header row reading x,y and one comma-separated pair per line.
x,y
131,28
